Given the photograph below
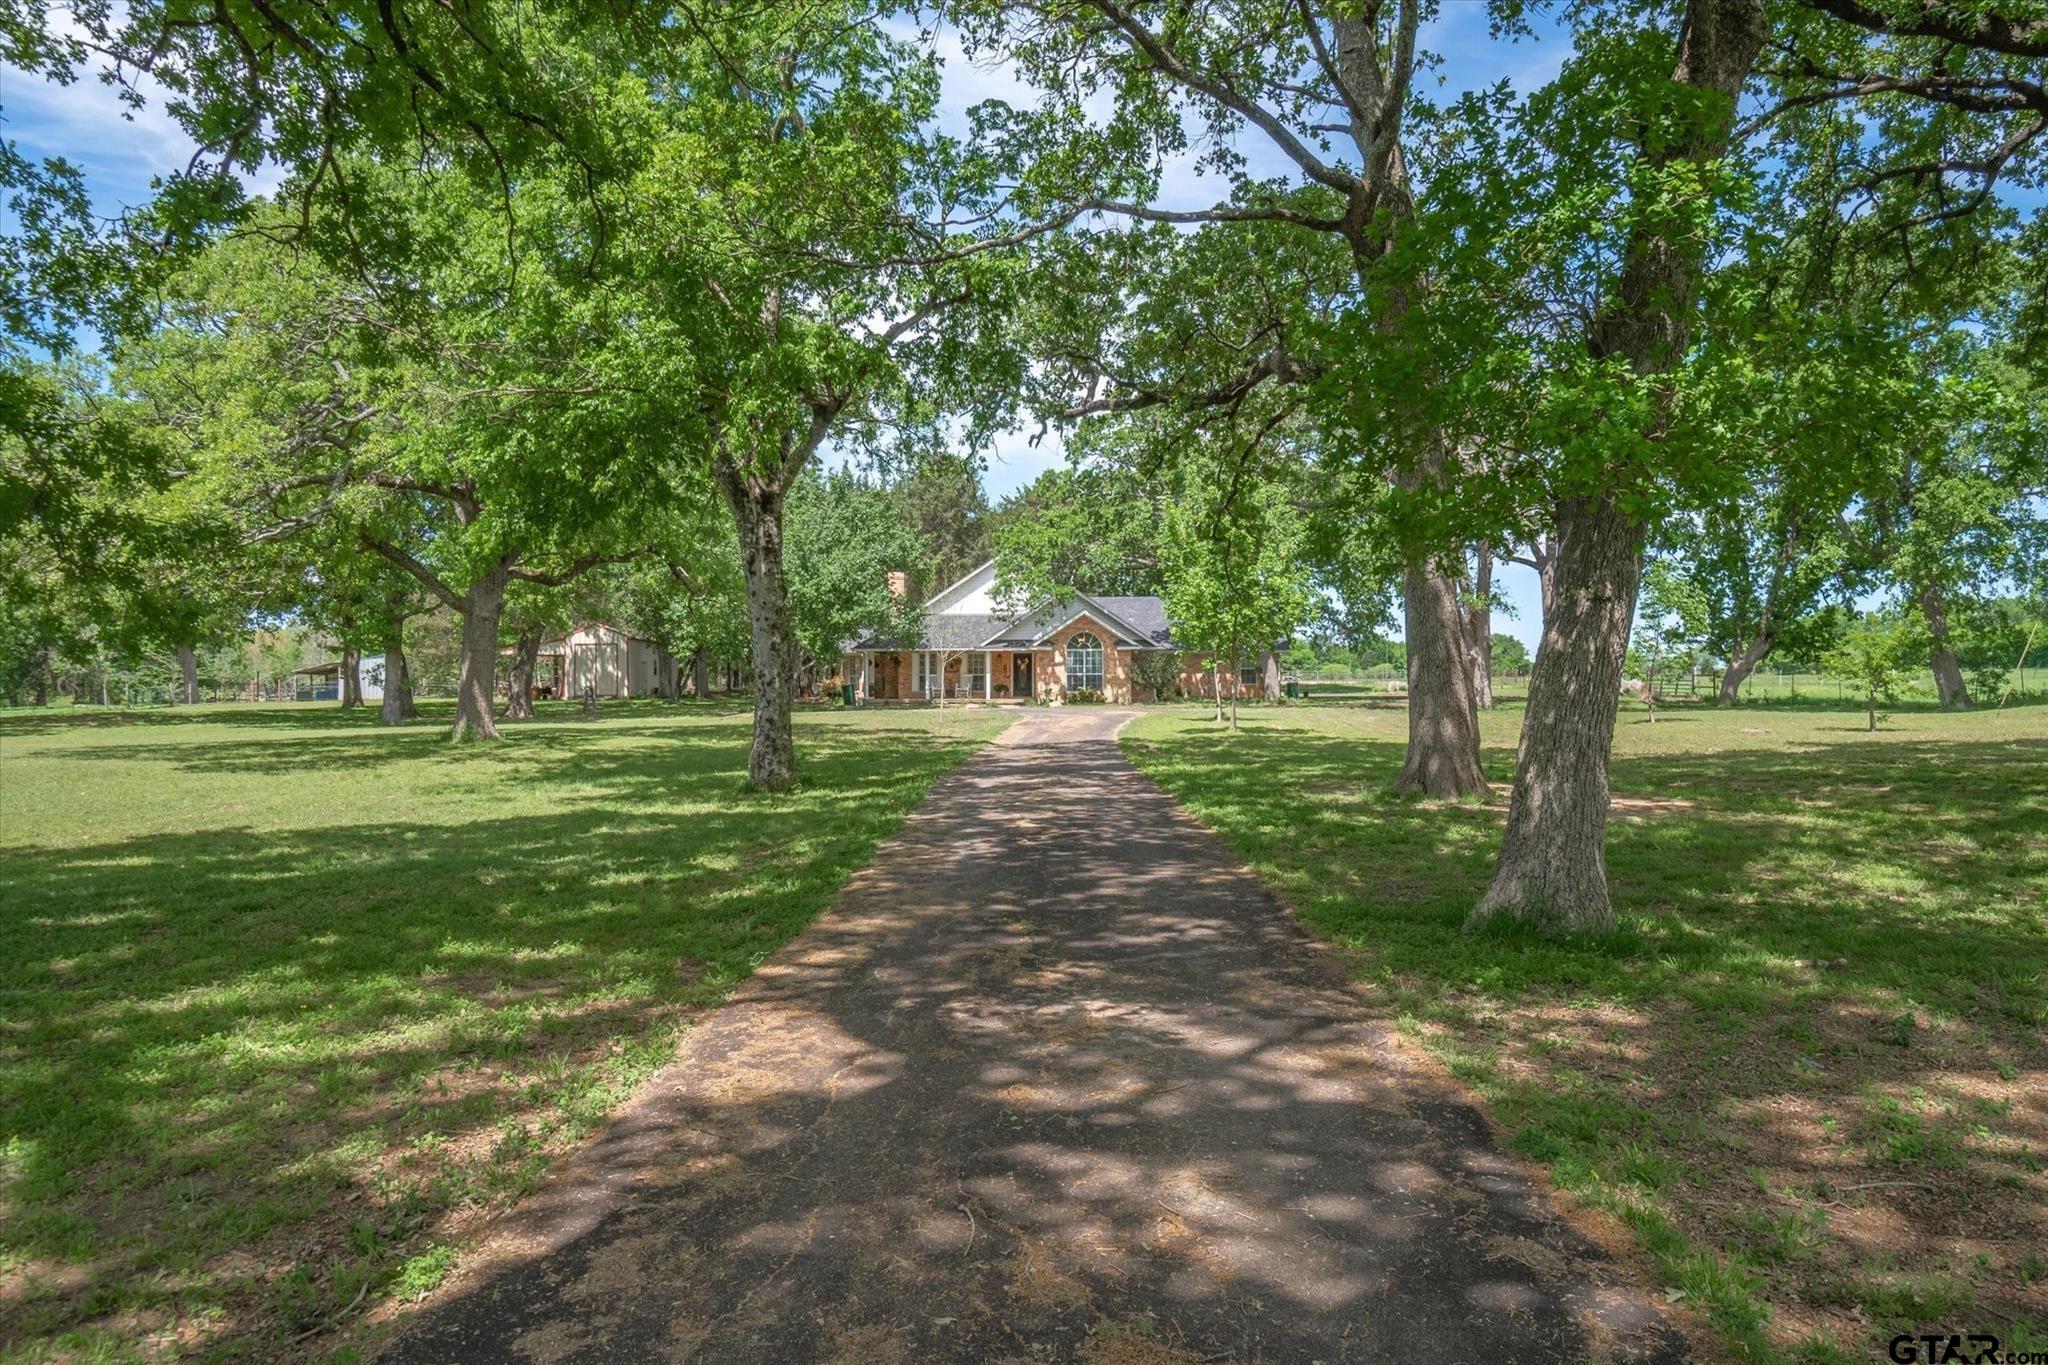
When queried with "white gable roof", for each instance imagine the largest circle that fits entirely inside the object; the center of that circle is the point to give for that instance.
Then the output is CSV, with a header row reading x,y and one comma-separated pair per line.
x,y
973,595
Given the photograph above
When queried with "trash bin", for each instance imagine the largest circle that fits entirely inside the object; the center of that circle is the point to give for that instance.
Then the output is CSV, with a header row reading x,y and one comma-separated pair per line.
x,y
846,693
1293,691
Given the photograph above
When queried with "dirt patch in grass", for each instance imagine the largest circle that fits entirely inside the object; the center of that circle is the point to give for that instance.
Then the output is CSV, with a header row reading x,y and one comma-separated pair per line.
x,y
1625,807
1133,1344
1036,1279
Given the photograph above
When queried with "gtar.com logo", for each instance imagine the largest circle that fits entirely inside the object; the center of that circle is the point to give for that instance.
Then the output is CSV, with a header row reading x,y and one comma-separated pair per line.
x,y
1979,1348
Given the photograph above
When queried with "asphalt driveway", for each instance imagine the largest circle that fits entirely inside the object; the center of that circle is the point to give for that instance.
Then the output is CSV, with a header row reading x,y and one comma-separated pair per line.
x,y
1054,1080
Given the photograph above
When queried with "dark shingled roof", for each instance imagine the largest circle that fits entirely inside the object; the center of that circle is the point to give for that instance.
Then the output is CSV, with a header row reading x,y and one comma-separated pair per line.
x,y
1146,615
942,632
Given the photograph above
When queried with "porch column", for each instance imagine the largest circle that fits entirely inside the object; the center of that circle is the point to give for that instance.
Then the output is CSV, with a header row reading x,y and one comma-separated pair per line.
x,y
988,675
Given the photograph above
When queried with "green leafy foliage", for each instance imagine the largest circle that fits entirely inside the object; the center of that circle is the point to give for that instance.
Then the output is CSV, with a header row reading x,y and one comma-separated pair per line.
x,y
1878,652
845,538
1093,529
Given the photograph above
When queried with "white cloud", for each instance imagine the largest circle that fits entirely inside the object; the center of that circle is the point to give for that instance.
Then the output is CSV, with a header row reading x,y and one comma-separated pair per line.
x,y
119,149
968,81
86,124
1014,461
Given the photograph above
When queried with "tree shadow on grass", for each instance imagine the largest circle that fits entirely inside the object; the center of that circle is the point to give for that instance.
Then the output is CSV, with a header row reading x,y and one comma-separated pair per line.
x,y
1056,1081
250,715
1832,977
231,1054
433,711
1695,835
595,750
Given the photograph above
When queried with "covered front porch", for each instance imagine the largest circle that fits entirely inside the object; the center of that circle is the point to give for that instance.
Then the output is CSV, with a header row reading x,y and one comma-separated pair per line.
x,y
993,676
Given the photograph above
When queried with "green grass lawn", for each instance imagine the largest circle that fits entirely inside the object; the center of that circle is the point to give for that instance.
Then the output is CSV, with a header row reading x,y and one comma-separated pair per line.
x,y
290,1002
1810,1071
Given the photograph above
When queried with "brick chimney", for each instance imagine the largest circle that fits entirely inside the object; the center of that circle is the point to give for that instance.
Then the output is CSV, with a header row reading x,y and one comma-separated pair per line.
x,y
899,585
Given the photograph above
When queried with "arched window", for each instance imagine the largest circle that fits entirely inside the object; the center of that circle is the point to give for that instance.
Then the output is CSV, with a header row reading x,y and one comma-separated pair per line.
x,y
1084,662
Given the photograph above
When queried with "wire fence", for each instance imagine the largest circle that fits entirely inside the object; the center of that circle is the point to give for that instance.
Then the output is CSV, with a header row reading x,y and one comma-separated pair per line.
x,y
1334,680
1788,685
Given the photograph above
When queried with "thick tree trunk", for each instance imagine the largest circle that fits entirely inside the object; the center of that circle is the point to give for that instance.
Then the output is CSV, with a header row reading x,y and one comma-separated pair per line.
x,y
700,675
1948,674
1443,721
1553,860
1479,629
1443,718
188,675
477,680
351,689
1269,672
757,511
519,680
397,704
1742,665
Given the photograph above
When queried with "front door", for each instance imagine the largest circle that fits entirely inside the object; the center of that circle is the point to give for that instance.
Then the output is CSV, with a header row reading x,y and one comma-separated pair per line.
x,y
1020,676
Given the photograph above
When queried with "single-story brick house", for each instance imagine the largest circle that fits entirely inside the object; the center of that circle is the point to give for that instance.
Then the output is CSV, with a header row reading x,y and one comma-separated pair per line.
x,y
973,649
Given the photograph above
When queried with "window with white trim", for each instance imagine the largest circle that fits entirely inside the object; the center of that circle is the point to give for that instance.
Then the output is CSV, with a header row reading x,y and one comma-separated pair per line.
x,y
1084,663
928,672
977,673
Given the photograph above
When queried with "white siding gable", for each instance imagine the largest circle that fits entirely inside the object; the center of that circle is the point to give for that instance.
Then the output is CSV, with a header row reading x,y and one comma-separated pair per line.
x,y
973,595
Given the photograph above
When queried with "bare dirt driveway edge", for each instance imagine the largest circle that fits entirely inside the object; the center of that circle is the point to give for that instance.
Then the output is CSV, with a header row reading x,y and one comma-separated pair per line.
x,y
1053,1080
